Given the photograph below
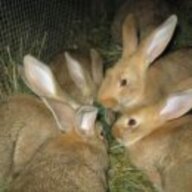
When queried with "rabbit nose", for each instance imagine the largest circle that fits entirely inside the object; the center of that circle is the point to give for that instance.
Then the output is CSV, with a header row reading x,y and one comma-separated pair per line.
x,y
109,102
117,132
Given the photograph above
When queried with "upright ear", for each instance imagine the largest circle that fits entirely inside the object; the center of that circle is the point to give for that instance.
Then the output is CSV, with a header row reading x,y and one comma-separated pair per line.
x,y
76,72
63,113
177,105
129,36
41,80
39,77
97,67
158,40
86,117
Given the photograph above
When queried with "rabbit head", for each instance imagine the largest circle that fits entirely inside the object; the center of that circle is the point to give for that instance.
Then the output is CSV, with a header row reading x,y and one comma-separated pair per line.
x,y
132,127
40,79
125,83
80,73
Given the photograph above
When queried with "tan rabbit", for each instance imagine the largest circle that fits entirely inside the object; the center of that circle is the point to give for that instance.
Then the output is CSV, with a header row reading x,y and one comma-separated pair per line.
x,y
158,140
138,78
54,148
70,162
80,73
148,13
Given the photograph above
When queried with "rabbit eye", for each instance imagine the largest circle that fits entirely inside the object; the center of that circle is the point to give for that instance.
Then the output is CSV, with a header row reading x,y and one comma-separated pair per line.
x,y
123,82
132,122
102,133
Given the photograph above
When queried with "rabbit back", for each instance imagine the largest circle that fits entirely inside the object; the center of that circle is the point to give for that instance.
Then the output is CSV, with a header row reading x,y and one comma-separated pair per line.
x,y
166,73
179,178
61,165
25,124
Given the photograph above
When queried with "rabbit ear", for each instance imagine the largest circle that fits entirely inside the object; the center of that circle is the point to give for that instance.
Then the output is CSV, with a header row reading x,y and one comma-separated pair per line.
x,y
86,117
41,80
63,113
158,40
129,36
97,67
76,72
39,77
177,105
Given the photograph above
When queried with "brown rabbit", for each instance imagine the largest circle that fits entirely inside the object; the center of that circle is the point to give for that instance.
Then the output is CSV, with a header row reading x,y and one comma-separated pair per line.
x,y
158,140
80,73
72,161
148,13
137,79
60,149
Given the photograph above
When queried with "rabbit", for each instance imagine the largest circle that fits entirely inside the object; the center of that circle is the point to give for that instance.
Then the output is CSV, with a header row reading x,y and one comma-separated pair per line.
x,y
158,140
55,147
148,13
139,77
80,73
74,161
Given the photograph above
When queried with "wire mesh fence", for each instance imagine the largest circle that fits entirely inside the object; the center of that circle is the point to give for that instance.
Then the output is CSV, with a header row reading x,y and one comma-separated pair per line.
x,y
49,25
44,28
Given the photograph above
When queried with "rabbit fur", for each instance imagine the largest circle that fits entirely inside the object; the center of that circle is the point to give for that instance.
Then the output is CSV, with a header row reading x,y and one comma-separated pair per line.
x,y
53,146
158,140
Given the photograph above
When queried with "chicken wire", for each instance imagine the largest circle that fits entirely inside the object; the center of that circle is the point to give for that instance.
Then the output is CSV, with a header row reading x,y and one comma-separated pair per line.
x,y
46,27
50,26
